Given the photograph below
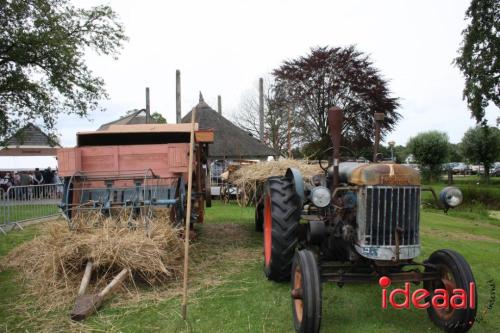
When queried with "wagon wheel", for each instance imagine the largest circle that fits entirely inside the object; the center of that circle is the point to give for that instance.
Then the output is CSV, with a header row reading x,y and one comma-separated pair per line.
x,y
178,211
454,273
306,293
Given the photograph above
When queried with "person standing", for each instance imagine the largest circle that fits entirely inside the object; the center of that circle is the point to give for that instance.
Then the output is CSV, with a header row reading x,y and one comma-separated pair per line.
x,y
26,181
38,177
38,180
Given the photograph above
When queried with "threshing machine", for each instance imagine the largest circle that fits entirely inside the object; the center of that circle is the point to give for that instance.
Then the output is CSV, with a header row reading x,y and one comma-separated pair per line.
x,y
135,168
359,222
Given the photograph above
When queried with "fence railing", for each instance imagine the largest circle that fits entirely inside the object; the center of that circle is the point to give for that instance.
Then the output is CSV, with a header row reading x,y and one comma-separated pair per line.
x,y
24,203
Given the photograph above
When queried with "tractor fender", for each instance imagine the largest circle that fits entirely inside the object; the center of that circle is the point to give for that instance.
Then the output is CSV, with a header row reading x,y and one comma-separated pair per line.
x,y
298,183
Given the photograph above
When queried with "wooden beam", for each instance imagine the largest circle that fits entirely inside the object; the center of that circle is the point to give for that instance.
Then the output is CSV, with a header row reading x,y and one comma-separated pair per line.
x,y
188,218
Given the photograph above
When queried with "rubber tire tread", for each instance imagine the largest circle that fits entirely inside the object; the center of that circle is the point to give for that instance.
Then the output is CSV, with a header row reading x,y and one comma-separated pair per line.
x,y
285,212
311,288
259,215
463,319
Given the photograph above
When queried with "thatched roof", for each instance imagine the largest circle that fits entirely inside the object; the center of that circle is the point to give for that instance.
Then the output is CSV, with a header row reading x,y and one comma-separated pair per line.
x,y
231,142
137,117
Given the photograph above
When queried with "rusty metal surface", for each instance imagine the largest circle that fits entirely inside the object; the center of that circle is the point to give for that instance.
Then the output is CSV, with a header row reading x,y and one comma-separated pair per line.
x,y
384,174
85,305
335,121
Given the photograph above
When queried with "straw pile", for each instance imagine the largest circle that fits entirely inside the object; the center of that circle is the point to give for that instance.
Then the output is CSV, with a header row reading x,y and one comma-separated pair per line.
x,y
249,177
53,263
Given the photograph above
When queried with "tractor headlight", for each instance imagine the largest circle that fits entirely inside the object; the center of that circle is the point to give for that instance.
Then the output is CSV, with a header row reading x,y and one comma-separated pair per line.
x,y
451,196
320,196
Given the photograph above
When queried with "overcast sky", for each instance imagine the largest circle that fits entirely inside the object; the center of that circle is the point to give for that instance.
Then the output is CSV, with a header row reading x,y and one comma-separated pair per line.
x,y
223,47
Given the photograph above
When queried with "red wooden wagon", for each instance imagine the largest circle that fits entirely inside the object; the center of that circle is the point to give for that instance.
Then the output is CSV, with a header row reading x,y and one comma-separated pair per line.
x,y
134,167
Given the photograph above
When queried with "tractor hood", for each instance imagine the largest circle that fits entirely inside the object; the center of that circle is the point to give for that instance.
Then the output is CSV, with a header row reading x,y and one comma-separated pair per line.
x,y
377,174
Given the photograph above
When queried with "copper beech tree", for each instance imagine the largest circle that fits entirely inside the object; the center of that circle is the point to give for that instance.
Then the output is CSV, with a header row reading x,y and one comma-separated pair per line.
x,y
335,76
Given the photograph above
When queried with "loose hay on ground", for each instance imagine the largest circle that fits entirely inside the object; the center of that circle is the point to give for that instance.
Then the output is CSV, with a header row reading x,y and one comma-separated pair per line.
x,y
53,264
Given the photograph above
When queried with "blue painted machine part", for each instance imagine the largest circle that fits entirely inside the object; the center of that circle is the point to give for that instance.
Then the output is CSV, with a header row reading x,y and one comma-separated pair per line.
x,y
296,176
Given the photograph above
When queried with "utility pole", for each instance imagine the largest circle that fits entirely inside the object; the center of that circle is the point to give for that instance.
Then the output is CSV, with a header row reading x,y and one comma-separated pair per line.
x,y
379,118
392,144
178,96
148,108
289,132
261,109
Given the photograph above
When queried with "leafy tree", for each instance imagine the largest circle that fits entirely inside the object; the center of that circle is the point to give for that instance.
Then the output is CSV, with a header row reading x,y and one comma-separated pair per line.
x,y
430,149
275,118
481,144
455,153
342,77
478,56
42,70
158,118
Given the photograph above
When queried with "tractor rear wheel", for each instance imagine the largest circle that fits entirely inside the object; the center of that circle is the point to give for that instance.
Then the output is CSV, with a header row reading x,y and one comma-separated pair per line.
x,y
455,273
281,222
306,293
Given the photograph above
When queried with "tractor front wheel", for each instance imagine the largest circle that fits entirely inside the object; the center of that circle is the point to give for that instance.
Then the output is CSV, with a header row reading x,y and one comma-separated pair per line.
x,y
281,221
455,273
306,293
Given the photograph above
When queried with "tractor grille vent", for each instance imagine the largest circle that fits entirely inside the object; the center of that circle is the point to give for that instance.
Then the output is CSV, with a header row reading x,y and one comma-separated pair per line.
x,y
390,210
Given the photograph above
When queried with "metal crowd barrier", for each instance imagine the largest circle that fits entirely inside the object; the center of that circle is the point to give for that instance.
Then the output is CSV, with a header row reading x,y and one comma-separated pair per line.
x,y
23,203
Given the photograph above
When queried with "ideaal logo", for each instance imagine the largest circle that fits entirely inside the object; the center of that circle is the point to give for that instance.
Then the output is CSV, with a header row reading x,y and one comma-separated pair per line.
x,y
441,298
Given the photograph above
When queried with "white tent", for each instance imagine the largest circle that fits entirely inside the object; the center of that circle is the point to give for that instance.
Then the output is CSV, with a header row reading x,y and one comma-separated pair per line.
x,y
20,163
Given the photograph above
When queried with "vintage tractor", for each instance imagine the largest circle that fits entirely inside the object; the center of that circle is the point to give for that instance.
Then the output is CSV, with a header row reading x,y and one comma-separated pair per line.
x,y
357,222
135,168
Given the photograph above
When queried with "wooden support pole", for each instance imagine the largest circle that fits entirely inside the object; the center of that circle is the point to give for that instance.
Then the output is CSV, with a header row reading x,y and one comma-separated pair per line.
x,y
188,218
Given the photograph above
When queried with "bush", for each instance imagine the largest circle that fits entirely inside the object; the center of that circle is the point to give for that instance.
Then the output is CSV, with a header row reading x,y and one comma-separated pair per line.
x,y
430,149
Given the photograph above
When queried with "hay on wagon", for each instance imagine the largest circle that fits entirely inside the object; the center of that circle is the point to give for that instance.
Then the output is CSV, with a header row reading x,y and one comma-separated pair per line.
x,y
249,177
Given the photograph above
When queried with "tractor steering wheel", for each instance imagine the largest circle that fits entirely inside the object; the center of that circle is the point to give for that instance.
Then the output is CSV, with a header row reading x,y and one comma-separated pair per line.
x,y
319,160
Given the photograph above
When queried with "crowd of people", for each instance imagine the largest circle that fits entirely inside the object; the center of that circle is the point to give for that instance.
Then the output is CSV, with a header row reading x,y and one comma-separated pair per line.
x,y
21,178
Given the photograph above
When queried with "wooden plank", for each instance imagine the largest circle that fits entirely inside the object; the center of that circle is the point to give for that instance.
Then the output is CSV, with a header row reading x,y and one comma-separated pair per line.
x,y
206,136
86,278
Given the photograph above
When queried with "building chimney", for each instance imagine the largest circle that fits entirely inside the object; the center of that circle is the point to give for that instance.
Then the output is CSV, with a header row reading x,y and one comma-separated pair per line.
x,y
219,104
148,108
261,109
177,96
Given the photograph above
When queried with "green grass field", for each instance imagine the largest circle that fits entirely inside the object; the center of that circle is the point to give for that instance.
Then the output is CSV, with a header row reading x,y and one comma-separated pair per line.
x,y
232,294
17,213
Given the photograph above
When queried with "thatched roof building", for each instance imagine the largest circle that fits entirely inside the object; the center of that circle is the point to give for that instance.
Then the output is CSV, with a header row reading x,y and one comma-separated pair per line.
x,y
29,141
231,142
135,117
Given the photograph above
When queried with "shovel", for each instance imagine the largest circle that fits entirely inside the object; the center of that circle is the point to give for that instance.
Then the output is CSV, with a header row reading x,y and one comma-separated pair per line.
x,y
85,305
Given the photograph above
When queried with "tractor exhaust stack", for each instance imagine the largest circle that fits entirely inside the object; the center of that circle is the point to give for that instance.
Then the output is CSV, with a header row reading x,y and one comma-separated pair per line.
x,y
335,123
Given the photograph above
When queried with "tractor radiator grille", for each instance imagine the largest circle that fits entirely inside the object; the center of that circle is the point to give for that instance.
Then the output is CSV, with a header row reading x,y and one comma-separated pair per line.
x,y
390,210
